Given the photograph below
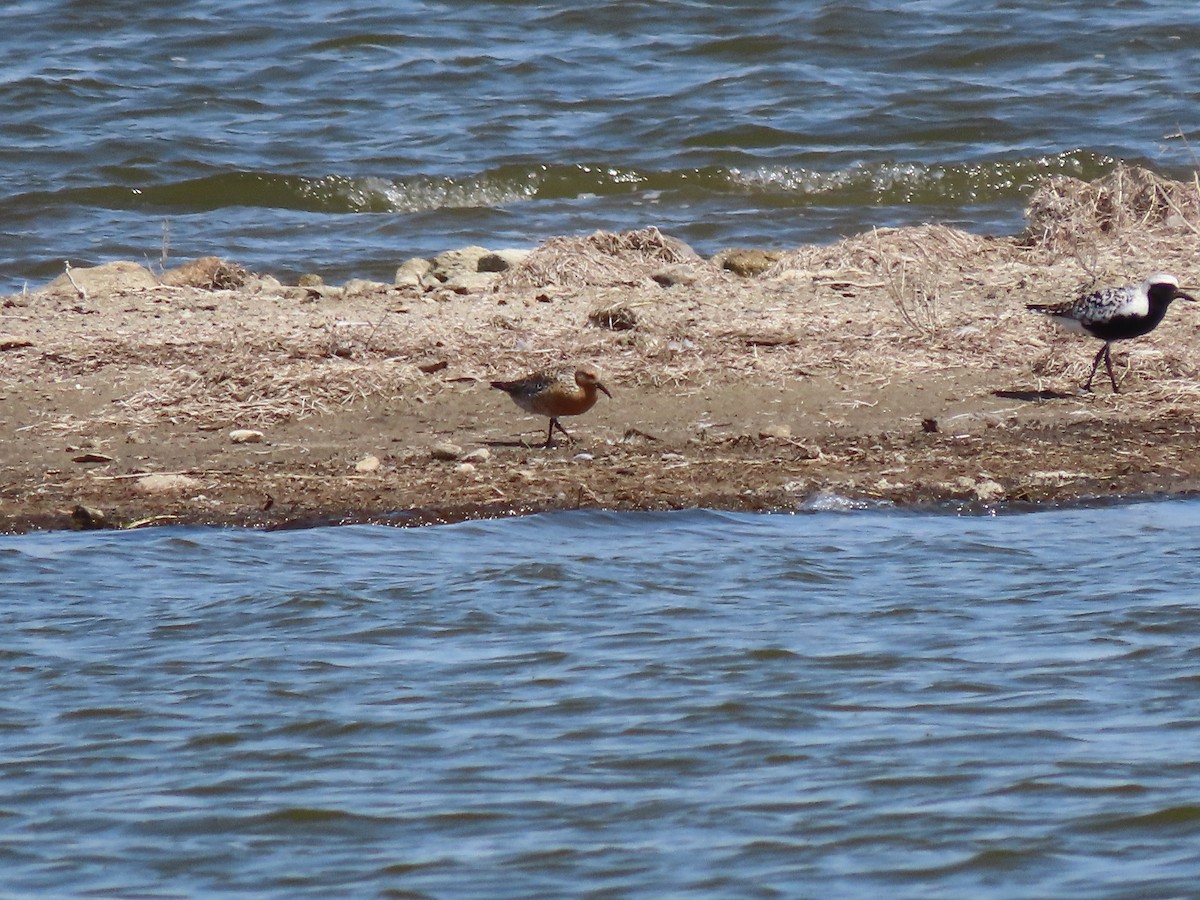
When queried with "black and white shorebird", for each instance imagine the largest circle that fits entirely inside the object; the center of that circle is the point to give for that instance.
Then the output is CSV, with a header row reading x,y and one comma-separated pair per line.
x,y
1117,313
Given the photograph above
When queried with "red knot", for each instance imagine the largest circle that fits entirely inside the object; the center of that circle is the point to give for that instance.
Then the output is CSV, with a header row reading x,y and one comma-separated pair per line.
x,y
1117,313
555,394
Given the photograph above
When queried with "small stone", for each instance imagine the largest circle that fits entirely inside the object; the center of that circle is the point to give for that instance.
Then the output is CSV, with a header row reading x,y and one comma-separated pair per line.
x,y
451,263
480,455
245,436
368,463
465,468
445,451
88,518
310,279
108,278
777,432
669,276
988,490
358,287
746,263
264,284
501,260
412,272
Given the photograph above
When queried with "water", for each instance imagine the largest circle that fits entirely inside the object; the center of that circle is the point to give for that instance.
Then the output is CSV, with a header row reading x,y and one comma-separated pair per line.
x,y
343,138
854,704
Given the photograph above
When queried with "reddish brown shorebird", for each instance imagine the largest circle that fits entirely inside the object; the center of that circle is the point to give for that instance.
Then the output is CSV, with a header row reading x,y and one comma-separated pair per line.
x,y
555,395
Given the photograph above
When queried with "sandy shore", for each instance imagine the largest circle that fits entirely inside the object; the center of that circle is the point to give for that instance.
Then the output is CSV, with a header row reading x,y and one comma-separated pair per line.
x,y
897,365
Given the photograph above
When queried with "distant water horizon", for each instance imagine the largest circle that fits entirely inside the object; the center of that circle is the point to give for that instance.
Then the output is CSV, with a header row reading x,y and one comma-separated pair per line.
x,y
296,138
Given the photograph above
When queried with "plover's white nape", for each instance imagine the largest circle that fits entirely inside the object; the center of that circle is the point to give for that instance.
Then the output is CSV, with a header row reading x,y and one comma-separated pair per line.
x,y
555,394
1116,313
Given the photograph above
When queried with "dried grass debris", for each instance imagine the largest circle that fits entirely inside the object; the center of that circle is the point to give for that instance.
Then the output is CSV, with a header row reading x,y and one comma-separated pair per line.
x,y
1065,211
603,258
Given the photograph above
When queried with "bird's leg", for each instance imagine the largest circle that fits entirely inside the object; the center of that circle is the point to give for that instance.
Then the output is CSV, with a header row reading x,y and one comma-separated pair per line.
x,y
560,428
1102,353
550,434
1108,363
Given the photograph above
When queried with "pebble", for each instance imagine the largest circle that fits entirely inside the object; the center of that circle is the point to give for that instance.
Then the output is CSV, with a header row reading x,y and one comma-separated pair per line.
x,y
746,262
368,463
480,455
445,451
246,436
88,518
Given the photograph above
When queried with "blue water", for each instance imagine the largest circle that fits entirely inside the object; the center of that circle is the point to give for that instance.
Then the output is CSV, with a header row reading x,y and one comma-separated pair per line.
x,y
344,138
855,704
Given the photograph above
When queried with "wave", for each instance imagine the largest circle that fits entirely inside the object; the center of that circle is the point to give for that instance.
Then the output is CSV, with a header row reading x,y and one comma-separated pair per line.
x,y
891,183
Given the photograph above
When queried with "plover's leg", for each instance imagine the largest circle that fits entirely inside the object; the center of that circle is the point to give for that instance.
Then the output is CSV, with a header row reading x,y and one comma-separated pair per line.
x,y
1108,364
560,428
1101,354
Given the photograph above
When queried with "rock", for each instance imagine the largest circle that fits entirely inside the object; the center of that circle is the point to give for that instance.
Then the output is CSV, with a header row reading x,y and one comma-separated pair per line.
x,y
464,259
264,284
988,490
669,276
746,262
465,468
480,455
413,272
310,279
458,270
246,436
470,283
88,518
109,278
358,287
165,483
778,432
445,451
368,463
209,272
501,260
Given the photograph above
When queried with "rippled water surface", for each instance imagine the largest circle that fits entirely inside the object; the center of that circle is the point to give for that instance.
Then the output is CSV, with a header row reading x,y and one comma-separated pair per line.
x,y
590,704
342,138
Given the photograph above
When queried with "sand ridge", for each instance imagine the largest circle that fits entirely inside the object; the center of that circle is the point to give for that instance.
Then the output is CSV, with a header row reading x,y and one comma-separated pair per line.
x,y
898,365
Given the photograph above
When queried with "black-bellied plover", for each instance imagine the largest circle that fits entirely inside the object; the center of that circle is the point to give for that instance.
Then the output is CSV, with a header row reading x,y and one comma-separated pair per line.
x,y
1113,314
555,394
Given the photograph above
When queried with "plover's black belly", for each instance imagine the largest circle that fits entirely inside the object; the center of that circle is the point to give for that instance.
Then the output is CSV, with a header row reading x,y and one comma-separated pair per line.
x,y
1120,327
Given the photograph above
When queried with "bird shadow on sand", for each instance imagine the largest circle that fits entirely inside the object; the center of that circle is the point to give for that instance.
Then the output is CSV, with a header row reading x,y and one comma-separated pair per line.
x,y
516,443
1031,396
